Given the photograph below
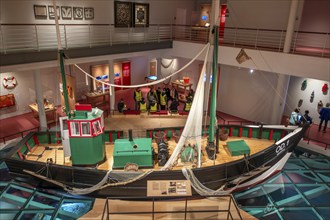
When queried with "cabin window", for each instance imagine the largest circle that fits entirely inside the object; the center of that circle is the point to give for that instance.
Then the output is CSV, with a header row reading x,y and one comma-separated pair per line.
x,y
74,126
97,127
85,129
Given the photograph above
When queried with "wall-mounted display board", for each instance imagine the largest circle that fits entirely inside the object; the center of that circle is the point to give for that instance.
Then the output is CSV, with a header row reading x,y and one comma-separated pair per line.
x,y
123,14
128,14
141,15
7,100
71,89
122,75
126,72
153,68
66,12
100,72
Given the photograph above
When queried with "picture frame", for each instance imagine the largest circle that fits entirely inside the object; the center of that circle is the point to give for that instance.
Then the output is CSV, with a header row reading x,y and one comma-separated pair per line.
x,y
66,12
89,13
40,11
51,13
123,14
141,15
78,13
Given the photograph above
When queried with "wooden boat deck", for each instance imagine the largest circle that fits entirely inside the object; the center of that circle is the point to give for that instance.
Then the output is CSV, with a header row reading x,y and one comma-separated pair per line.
x,y
43,153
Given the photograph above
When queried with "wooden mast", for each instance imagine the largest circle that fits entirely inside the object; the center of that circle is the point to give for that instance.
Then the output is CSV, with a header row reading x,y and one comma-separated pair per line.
x,y
211,149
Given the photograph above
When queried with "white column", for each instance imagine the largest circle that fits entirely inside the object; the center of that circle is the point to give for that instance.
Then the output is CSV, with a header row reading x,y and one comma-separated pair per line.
x,y
112,89
159,67
280,98
283,80
291,25
40,101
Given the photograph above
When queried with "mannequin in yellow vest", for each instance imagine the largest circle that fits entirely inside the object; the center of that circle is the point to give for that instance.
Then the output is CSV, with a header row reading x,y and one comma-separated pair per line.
x,y
153,106
187,105
143,105
137,97
163,100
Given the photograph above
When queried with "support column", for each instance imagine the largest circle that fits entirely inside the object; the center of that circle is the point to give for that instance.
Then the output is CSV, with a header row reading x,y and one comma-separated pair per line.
x,y
159,68
283,80
40,100
291,25
112,89
279,98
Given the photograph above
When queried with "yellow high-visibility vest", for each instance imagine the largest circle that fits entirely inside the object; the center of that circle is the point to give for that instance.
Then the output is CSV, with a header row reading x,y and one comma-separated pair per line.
x,y
153,108
138,96
163,99
143,107
187,106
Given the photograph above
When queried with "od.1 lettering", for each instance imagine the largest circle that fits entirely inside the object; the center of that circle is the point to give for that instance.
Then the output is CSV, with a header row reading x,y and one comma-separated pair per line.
x,y
282,147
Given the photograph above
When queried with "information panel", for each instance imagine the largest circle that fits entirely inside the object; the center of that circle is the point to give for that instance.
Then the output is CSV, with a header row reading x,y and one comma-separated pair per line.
x,y
169,188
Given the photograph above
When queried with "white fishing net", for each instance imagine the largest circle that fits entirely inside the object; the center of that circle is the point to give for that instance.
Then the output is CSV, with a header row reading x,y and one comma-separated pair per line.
x,y
192,132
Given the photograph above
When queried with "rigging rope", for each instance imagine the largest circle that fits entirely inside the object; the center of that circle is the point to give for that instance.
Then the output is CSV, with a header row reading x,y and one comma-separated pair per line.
x,y
200,188
146,84
102,185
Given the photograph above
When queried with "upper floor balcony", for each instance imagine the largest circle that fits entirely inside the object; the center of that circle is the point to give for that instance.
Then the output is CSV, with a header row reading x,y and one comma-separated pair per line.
x,y
27,38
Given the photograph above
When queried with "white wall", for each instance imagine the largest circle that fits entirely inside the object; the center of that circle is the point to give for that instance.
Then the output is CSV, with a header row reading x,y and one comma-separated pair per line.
x,y
25,93
316,16
295,94
246,95
21,11
288,64
266,14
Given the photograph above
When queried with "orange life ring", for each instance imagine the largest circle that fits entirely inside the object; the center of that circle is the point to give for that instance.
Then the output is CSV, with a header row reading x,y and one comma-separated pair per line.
x,y
9,82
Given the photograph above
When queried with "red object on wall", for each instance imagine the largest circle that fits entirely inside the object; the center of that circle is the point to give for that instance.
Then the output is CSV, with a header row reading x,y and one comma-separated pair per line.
x,y
325,88
223,10
126,73
7,100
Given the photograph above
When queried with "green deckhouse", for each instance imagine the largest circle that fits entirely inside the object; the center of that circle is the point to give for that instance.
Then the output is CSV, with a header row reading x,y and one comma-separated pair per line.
x,y
86,127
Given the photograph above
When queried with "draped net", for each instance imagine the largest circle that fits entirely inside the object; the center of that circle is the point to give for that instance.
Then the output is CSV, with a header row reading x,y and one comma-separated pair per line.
x,y
192,132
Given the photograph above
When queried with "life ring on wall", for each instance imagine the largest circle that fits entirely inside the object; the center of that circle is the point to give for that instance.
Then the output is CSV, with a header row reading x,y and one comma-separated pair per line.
x,y
9,82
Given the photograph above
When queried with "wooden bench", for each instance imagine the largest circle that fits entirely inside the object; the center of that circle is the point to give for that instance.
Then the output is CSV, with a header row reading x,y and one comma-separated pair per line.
x,y
131,112
161,112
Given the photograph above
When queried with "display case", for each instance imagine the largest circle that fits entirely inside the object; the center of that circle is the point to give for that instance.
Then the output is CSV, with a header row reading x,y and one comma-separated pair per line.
x,y
97,99
182,89
50,112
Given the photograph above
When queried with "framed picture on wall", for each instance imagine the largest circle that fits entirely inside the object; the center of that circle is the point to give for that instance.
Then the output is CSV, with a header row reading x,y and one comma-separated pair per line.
x,y
123,14
40,11
66,12
51,12
89,13
78,13
141,15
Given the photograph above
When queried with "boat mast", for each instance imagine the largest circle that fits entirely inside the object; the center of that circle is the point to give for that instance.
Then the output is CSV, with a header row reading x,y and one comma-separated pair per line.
x,y
65,91
61,55
210,149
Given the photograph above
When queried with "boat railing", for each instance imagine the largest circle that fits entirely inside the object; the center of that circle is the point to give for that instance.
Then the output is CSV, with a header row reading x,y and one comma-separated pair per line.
x,y
17,134
241,122
42,37
154,207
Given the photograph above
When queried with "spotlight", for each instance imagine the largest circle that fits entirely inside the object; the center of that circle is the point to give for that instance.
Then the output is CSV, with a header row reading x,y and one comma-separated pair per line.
x,y
251,71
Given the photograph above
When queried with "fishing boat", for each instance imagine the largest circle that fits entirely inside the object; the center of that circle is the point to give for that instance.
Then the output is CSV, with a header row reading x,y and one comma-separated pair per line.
x,y
105,164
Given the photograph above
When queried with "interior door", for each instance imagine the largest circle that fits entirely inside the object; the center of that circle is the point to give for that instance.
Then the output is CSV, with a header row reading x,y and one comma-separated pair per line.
x,y
65,136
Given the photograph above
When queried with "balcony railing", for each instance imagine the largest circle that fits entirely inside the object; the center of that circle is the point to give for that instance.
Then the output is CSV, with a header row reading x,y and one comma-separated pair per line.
x,y
41,37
